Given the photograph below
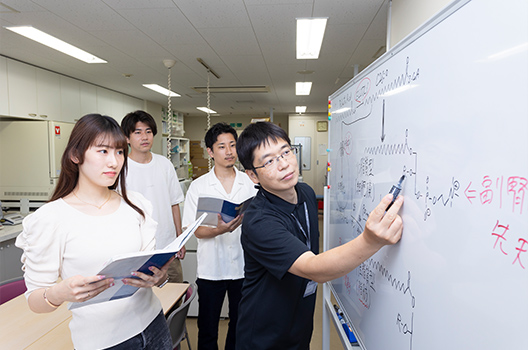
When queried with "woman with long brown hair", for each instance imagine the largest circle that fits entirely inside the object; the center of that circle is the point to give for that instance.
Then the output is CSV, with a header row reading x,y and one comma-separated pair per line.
x,y
89,219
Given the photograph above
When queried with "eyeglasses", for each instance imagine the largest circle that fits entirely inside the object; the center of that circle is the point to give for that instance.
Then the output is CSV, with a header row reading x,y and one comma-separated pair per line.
x,y
272,163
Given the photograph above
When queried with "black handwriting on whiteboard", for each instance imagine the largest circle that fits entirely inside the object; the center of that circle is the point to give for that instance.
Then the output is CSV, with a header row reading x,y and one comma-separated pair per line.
x,y
406,328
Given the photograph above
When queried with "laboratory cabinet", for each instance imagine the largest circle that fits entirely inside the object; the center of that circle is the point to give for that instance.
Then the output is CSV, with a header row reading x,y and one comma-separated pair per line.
x,y
110,103
22,86
30,92
88,98
70,98
48,95
4,98
10,264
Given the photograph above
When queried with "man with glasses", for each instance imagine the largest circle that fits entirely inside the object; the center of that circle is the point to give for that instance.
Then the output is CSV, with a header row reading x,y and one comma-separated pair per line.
x,y
280,238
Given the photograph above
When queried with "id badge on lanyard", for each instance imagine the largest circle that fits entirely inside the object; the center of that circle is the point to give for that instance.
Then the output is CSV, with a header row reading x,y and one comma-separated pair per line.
x,y
311,287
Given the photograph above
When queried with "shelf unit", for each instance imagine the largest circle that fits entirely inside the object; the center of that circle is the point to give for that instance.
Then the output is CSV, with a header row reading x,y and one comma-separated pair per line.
x,y
179,145
179,155
176,120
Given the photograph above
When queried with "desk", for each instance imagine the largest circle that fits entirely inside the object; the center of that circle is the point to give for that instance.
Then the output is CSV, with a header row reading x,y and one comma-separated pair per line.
x,y
20,328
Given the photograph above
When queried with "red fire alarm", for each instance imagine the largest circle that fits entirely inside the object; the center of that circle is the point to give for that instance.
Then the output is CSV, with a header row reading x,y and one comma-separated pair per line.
x,y
57,130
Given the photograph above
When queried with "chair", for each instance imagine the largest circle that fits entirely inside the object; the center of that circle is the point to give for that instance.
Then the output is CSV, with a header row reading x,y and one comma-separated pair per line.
x,y
11,289
176,319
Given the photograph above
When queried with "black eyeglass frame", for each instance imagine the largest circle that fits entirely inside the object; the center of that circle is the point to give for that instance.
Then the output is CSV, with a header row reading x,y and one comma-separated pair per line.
x,y
268,165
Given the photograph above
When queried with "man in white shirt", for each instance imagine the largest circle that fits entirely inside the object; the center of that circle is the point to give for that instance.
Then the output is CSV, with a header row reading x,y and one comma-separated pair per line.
x,y
154,177
220,256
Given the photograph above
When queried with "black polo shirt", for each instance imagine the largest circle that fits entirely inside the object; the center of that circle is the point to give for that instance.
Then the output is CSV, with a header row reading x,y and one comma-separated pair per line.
x,y
273,312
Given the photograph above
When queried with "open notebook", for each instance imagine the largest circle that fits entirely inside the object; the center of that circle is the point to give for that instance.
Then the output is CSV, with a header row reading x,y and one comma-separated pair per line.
x,y
121,266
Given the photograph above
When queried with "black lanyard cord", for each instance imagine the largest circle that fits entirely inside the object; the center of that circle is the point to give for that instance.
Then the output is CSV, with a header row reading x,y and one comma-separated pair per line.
x,y
307,236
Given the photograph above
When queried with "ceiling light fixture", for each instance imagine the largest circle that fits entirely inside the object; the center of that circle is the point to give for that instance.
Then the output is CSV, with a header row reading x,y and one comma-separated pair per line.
x,y
57,44
232,89
305,71
209,69
310,33
300,109
206,110
161,90
303,88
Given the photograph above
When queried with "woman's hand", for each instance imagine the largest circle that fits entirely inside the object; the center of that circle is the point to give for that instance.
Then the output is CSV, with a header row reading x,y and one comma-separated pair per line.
x,y
74,289
78,288
148,281
181,253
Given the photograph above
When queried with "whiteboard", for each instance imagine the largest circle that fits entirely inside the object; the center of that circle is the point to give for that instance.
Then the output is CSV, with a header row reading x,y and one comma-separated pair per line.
x,y
448,108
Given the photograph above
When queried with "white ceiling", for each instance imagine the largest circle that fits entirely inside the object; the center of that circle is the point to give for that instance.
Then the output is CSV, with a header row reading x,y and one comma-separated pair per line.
x,y
246,42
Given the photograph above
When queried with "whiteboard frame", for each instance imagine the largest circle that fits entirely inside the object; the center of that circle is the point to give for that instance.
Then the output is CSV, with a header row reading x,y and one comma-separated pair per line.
x,y
328,291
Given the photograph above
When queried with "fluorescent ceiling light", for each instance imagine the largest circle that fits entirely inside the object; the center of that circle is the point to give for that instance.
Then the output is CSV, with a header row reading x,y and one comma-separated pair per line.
x,y
310,33
300,109
303,88
206,110
161,90
232,89
54,43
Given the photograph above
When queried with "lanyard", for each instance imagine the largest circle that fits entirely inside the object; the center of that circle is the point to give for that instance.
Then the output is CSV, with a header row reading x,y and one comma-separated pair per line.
x,y
307,236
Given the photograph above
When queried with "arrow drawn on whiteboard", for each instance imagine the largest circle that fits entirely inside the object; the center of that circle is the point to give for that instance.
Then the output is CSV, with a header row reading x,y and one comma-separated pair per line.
x,y
383,123
468,192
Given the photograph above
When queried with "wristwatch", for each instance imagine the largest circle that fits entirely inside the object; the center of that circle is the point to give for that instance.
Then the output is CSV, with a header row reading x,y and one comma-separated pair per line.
x,y
164,283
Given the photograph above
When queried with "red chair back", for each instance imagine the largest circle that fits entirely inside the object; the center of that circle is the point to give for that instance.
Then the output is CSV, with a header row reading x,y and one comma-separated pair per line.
x,y
188,293
11,289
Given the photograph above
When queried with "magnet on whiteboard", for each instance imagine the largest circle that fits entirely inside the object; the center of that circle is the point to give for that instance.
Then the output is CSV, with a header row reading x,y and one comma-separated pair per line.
x,y
329,150
329,118
328,186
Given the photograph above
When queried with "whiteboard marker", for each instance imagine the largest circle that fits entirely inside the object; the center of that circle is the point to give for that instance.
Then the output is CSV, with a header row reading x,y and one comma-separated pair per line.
x,y
395,190
348,331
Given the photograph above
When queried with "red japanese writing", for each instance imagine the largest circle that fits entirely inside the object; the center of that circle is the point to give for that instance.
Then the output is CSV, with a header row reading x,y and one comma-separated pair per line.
x,y
520,250
500,237
498,191
517,188
501,234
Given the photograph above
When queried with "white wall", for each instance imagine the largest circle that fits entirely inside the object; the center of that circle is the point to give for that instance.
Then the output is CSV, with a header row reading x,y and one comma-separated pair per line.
x,y
155,110
306,125
407,15
196,127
